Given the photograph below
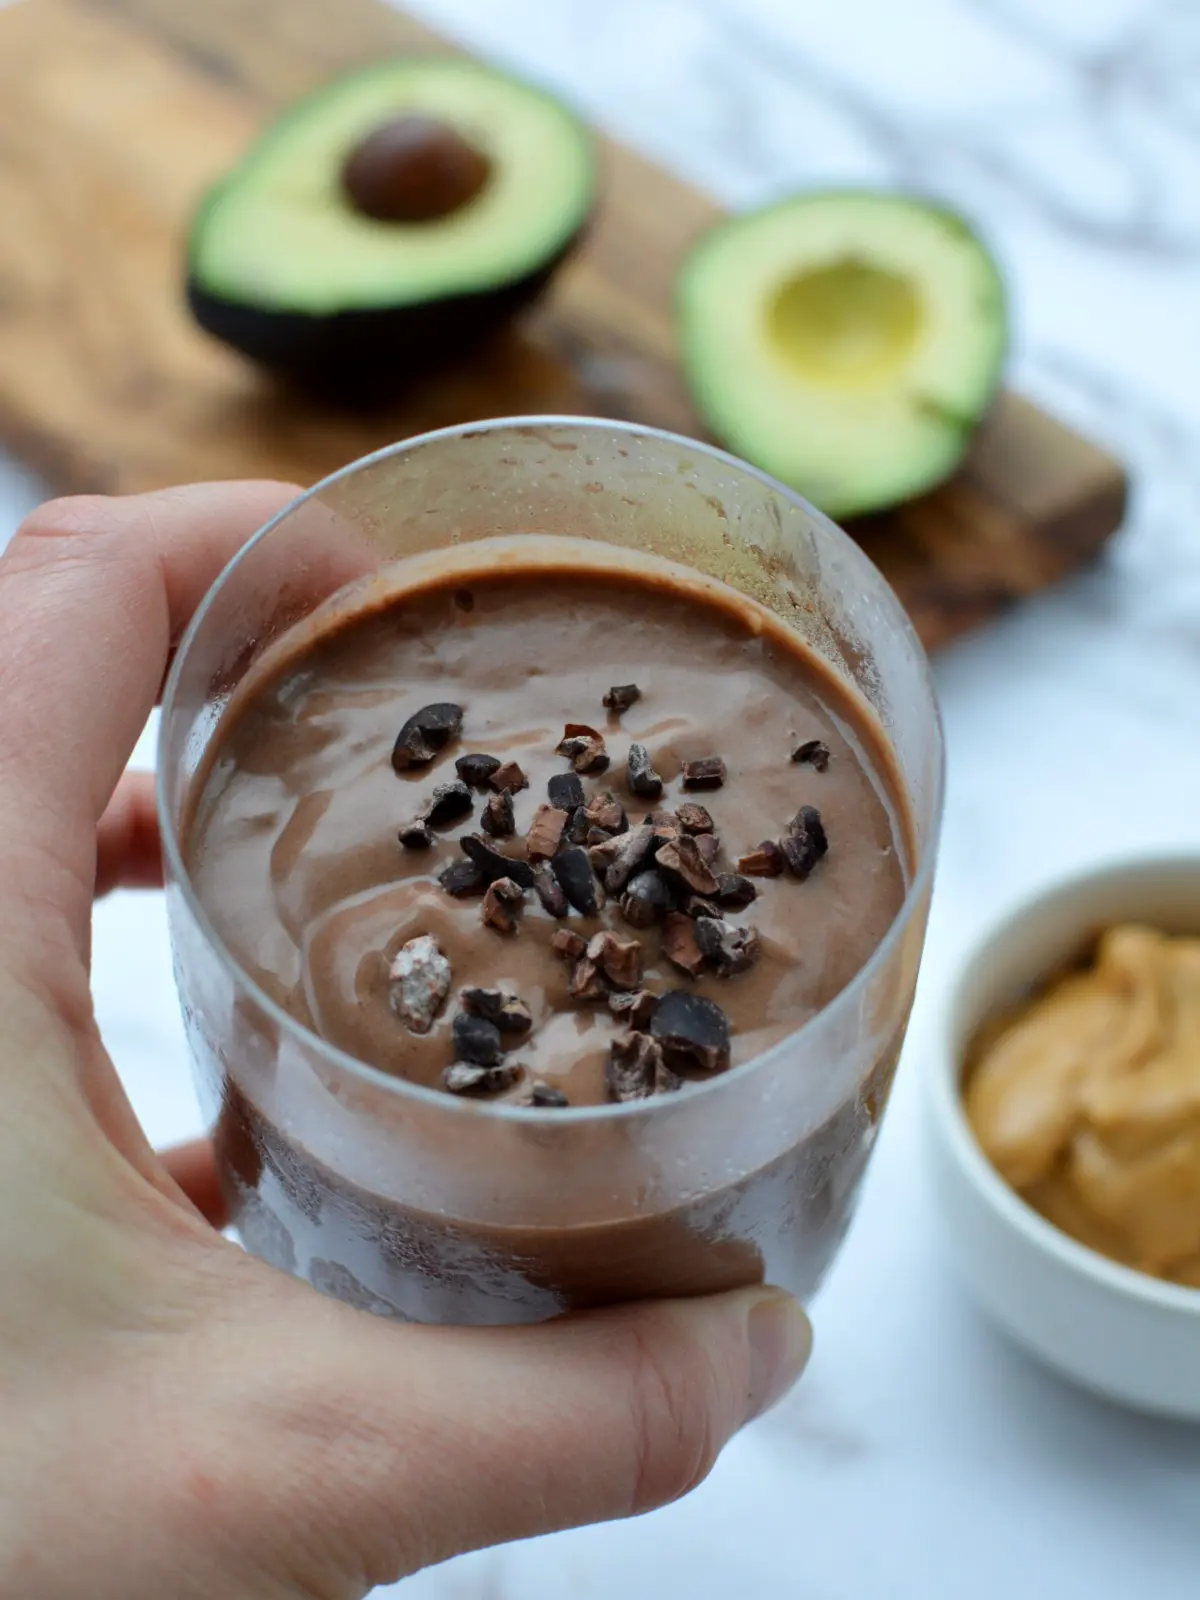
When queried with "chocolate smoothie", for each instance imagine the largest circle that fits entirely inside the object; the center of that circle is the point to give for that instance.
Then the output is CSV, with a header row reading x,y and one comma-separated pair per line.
x,y
549,838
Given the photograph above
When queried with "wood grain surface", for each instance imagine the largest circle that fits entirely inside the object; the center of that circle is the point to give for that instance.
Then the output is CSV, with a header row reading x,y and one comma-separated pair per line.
x,y
116,114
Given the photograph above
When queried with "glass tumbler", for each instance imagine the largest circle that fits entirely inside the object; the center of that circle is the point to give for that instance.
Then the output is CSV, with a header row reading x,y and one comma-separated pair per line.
x,y
418,1204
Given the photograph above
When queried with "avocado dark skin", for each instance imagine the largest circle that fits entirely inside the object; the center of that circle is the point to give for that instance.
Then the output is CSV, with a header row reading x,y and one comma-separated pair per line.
x,y
369,357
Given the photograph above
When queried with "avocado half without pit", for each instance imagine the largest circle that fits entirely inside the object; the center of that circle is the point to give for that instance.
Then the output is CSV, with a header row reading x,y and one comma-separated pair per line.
x,y
847,343
390,222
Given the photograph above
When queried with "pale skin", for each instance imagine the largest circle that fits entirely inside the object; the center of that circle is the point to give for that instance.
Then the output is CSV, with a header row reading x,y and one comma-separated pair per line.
x,y
175,1417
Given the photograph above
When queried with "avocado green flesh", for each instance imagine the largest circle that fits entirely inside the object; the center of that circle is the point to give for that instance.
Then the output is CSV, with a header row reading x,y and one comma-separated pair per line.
x,y
846,343
279,232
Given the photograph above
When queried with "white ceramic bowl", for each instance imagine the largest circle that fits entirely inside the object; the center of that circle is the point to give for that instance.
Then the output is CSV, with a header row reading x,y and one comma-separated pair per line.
x,y
1120,1333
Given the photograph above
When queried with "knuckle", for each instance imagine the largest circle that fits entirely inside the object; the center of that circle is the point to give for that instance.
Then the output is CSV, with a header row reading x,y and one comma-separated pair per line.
x,y
675,1402
66,517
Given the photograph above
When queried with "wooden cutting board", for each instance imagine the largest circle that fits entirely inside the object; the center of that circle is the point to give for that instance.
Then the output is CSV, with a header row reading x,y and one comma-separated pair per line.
x,y
116,114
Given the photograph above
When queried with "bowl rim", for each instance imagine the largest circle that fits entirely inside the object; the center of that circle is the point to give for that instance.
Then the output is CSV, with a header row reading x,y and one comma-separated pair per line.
x,y
944,1096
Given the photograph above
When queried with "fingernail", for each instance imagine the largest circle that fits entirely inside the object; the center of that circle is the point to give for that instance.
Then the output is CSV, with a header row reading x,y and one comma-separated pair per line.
x,y
780,1345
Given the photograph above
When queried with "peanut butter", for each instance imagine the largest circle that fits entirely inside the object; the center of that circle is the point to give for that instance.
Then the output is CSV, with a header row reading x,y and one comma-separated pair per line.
x,y
1088,1102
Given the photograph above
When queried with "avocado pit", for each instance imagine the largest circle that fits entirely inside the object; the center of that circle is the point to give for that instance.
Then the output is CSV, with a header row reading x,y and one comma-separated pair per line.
x,y
413,168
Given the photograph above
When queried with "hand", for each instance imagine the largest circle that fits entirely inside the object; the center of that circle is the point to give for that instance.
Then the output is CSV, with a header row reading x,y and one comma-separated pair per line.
x,y
177,1418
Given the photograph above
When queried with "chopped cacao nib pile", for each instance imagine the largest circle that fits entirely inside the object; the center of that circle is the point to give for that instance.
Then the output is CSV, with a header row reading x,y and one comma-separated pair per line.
x,y
661,881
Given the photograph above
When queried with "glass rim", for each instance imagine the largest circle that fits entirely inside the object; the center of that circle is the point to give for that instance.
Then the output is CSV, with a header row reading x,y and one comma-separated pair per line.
x,y
178,875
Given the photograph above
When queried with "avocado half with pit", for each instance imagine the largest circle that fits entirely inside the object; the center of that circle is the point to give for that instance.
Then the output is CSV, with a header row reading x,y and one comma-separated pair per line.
x,y
848,343
389,222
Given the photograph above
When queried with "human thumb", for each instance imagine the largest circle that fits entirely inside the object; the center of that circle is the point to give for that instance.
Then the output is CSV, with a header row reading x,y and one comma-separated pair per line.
x,y
430,1441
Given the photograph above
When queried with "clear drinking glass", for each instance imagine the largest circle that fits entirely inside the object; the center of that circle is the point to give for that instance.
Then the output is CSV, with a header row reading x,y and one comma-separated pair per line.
x,y
422,1205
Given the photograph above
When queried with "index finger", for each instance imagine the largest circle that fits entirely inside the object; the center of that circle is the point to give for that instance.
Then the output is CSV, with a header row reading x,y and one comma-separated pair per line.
x,y
93,593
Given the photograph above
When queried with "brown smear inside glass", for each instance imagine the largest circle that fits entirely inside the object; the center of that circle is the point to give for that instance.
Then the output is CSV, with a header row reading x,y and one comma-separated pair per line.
x,y
382,1189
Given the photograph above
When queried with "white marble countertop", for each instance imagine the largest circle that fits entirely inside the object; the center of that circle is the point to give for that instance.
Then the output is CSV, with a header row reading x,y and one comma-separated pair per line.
x,y
922,1458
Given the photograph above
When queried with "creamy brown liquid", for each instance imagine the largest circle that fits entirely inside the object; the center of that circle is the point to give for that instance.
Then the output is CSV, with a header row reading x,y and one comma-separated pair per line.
x,y
297,859
293,851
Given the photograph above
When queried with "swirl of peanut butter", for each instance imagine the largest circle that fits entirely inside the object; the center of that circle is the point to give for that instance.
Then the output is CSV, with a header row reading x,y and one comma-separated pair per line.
x,y
1088,1102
